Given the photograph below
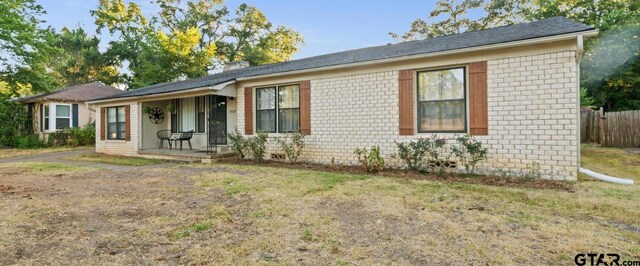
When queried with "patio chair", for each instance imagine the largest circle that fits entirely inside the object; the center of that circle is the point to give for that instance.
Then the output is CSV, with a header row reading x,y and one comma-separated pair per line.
x,y
184,136
164,135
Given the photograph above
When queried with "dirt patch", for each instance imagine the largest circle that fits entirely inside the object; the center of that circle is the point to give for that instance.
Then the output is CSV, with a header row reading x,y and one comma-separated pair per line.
x,y
4,188
448,177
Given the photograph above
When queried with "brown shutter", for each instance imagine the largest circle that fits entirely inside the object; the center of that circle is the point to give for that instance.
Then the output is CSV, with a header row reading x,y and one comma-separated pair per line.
x,y
127,123
248,111
478,98
405,101
103,129
305,107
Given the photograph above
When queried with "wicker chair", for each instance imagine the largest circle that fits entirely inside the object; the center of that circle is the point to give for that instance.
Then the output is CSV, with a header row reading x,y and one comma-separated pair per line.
x,y
164,135
185,136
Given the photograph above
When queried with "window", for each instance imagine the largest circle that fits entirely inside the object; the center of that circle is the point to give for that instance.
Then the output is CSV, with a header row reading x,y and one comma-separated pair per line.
x,y
278,112
441,100
116,123
174,116
45,121
200,105
63,116
289,108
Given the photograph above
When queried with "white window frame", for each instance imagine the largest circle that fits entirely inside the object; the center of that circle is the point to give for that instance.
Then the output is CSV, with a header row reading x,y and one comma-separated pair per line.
x,y
53,115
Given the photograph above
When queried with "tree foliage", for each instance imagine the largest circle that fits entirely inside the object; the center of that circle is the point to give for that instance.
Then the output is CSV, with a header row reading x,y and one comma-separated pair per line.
x,y
610,67
188,39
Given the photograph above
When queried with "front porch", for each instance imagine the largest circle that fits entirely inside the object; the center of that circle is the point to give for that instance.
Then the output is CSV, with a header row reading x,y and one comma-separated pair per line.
x,y
186,154
204,120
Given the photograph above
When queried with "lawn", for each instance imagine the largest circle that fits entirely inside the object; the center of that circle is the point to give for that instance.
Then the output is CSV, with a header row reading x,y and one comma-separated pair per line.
x,y
243,214
117,160
9,153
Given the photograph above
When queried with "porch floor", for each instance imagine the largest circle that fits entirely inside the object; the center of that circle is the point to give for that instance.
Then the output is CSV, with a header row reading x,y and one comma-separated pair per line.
x,y
187,154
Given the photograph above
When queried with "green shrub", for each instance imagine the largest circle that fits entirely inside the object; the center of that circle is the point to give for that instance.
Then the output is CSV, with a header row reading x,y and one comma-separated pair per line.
x,y
15,122
469,152
59,138
29,142
371,161
256,146
294,148
237,143
415,154
83,136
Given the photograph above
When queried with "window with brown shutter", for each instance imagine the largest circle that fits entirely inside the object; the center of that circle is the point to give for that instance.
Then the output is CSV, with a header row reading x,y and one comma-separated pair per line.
x,y
248,111
305,107
405,101
478,98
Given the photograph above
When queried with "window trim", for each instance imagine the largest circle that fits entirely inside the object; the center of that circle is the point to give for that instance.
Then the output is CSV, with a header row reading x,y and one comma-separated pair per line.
x,y
464,99
204,113
55,117
276,107
106,123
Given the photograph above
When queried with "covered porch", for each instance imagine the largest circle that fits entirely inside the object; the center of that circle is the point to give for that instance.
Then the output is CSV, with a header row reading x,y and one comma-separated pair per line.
x,y
199,121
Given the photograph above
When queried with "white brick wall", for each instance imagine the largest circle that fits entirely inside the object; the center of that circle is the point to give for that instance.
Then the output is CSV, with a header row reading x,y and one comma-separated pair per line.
x,y
532,116
120,147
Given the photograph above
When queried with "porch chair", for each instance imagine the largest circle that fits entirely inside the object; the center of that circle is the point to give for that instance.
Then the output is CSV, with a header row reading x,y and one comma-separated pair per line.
x,y
164,135
185,136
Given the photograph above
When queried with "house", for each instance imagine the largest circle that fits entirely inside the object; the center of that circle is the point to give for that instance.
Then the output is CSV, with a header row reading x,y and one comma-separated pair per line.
x,y
64,108
514,87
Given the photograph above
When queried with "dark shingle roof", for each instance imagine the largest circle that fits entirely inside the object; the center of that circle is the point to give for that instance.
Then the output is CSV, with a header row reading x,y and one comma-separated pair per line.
x,y
79,93
524,31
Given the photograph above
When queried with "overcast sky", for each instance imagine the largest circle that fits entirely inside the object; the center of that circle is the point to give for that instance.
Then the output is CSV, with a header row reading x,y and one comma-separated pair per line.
x,y
327,25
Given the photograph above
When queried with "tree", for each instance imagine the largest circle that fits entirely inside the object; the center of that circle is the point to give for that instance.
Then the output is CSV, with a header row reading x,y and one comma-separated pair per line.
x,y
24,46
452,16
79,60
190,39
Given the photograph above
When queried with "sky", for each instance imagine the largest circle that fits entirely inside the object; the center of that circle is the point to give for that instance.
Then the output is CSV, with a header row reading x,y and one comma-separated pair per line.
x,y
327,26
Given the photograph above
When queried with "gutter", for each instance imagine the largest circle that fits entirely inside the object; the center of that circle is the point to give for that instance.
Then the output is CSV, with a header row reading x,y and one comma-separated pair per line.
x,y
215,87
421,56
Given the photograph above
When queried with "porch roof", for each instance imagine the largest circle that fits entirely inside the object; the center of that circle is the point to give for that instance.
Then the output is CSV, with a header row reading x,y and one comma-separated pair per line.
x,y
484,38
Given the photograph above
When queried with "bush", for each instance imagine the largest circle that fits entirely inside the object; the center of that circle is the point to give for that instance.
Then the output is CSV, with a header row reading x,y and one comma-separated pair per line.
x,y
60,138
425,150
294,148
371,161
237,143
256,146
469,152
15,125
29,142
83,136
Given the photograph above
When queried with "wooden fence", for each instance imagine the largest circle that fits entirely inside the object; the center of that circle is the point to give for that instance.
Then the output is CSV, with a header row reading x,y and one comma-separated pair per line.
x,y
613,129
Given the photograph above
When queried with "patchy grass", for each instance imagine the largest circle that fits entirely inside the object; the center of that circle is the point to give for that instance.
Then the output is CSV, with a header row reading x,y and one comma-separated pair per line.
x,y
610,161
246,214
47,168
117,160
9,153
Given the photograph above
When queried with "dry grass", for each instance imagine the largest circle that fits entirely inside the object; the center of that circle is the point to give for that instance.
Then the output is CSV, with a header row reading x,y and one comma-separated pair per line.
x,y
9,153
242,214
117,160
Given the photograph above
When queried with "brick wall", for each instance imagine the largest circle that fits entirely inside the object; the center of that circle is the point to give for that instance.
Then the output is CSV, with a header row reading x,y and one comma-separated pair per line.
x,y
119,147
532,102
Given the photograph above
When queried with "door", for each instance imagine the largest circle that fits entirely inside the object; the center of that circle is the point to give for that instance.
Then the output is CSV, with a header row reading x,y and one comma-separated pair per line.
x,y
217,120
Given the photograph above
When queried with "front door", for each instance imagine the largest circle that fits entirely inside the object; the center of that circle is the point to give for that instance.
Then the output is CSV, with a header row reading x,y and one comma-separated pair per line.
x,y
217,120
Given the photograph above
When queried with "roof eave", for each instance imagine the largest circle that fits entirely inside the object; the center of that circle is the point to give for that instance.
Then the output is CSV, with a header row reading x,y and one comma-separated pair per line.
x,y
213,87
562,37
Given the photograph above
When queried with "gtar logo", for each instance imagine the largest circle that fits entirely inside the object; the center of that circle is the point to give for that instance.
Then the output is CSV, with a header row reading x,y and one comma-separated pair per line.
x,y
594,259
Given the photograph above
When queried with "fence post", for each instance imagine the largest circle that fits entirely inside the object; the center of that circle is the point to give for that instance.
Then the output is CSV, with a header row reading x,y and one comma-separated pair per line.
x,y
601,134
